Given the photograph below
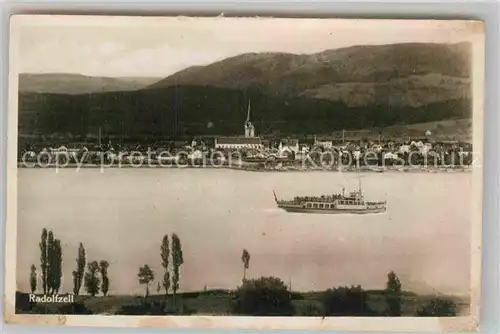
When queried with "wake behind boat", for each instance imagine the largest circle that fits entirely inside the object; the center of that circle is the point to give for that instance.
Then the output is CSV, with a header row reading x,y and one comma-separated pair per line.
x,y
353,203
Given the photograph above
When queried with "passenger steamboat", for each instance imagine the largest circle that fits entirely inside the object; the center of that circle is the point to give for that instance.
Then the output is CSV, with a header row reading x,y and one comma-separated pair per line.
x,y
352,203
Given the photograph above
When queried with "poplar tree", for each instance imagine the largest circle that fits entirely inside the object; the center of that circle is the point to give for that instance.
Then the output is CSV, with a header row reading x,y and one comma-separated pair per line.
x,y
33,278
57,266
43,259
50,263
165,253
158,288
80,270
177,262
245,258
75,283
103,266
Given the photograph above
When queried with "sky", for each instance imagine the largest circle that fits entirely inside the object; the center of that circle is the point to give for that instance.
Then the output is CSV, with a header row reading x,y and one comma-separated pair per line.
x,y
158,47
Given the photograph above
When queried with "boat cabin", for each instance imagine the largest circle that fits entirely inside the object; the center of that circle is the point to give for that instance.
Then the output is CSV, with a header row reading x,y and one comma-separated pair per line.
x,y
342,203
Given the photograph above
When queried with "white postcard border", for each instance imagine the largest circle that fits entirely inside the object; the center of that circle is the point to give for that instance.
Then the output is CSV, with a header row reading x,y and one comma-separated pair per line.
x,y
449,324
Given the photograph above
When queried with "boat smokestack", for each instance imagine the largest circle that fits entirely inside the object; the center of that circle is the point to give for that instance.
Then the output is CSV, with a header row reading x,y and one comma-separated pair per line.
x,y
359,185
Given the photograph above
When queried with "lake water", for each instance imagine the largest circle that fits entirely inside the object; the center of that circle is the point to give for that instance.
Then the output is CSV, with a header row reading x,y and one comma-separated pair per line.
x,y
121,216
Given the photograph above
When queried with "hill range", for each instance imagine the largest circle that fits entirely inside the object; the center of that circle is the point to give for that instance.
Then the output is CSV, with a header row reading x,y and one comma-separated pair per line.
x,y
74,84
352,88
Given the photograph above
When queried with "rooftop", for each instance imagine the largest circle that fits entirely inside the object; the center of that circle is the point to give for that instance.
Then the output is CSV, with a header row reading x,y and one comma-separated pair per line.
x,y
289,142
238,140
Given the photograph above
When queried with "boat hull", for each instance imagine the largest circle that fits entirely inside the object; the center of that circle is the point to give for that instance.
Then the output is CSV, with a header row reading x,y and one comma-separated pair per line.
x,y
331,211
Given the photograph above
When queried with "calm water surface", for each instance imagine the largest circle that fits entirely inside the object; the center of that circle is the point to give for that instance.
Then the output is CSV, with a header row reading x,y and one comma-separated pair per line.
x,y
121,216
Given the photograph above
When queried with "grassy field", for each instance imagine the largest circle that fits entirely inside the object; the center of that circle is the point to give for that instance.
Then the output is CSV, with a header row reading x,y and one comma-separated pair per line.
x,y
217,302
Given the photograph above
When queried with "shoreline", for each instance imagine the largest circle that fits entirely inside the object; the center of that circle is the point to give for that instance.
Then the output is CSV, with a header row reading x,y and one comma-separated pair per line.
x,y
250,168
195,303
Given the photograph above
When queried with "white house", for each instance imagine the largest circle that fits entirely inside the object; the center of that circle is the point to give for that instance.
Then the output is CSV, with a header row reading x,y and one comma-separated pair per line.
x,y
390,156
404,149
425,148
290,145
325,143
236,143
196,155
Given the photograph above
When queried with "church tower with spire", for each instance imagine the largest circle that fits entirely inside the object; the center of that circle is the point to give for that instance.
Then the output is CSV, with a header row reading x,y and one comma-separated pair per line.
x,y
249,141
249,128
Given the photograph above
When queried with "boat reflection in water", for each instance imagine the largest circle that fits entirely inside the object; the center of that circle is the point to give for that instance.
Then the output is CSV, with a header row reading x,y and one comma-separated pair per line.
x,y
335,203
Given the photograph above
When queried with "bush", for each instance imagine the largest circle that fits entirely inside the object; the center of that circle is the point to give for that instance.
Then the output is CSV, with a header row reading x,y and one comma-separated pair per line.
x,y
75,308
265,296
143,308
438,308
344,301
152,307
309,310
22,303
296,296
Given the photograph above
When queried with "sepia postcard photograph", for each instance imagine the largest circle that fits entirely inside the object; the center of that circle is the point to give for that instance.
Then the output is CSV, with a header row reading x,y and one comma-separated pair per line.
x,y
245,172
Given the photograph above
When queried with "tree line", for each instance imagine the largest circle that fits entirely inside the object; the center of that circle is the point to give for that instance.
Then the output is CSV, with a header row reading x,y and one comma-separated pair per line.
x,y
171,260
259,296
94,280
265,296
50,264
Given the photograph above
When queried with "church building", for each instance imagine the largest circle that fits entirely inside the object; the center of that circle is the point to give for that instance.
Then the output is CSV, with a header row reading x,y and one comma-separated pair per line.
x,y
248,141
